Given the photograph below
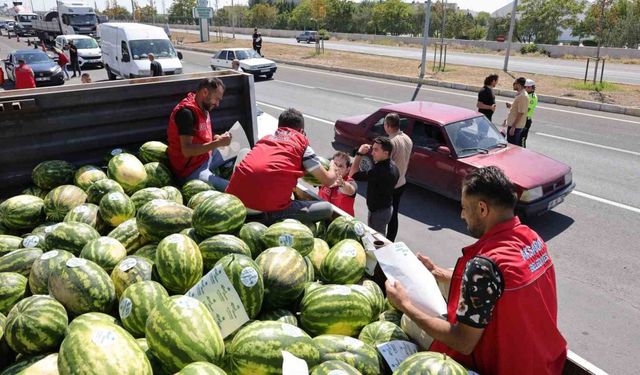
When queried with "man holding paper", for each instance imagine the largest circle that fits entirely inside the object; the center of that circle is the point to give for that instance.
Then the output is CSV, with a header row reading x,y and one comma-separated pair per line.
x,y
502,305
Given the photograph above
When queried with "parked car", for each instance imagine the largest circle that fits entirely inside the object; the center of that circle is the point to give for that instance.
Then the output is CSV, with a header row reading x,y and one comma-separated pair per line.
x,y
449,142
47,72
10,26
89,52
3,24
307,36
250,61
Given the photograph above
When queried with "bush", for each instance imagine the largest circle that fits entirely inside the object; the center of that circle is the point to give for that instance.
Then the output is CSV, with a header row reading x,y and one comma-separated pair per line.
x,y
324,34
529,48
589,43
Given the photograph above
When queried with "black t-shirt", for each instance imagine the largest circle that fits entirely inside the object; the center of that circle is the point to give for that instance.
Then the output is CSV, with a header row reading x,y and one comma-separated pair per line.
x,y
186,121
486,96
381,181
73,52
156,68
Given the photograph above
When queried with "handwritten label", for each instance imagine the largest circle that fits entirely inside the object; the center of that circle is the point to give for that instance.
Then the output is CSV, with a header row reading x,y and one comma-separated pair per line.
x,y
186,302
103,337
76,262
396,351
116,151
249,277
127,264
285,240
292,365
30,241
358,228
49,254
349,251
125,308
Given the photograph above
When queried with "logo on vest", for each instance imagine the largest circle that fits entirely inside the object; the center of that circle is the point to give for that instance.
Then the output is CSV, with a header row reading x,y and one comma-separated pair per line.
x,y
535,254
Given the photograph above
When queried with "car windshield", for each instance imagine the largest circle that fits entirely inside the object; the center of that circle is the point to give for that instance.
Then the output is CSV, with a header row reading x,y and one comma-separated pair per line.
x,y
161,48
247,54
474,135
83,19
33,58
27,18
85,43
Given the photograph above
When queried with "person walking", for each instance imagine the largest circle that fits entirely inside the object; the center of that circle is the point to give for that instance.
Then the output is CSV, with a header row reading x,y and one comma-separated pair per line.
x,y
486,103
154,65
530,86
75,63
258,44
517,118
402,147
254,37
63,60
25,79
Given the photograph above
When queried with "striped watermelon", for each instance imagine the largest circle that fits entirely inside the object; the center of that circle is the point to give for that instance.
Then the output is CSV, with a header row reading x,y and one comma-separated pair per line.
x,y
257,348
191,233
87,213
251,234
246,277
363,357
71,236
128,235
146,195
7,356
174,194
430,363
201,368
13,288
88,319
102,348
311,179
381,332
128,171
33,240
192,336
284,274
158,175
61,200
153,151
98,189
157,366
160,218
178,262
82,286
200,197
35,191
137,302
147,251
345,263
334,367
49,262
311,274
24,363
193,187
317,255
87,175
291,233
9,243
342,228
116,208
131,270
216,247
334,309
374,294
393,316
35,325
52,173
222,213
106,252
22,212
280,315
20,261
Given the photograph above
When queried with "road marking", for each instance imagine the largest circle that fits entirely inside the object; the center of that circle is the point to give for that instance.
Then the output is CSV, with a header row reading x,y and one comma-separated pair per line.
x,y
589,144
307,116
607,201
378,100
294,84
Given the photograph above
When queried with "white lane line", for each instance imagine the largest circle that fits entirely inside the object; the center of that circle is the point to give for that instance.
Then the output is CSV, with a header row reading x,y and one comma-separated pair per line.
x,y
294,84
607,201
378,100
589,144
306,116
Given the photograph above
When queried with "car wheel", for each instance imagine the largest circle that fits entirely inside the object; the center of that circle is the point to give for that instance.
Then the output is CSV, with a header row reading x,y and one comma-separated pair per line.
x,y
213,67
110,75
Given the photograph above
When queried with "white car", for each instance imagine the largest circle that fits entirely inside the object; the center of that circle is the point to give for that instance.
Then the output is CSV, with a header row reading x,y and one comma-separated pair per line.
x,y
250,61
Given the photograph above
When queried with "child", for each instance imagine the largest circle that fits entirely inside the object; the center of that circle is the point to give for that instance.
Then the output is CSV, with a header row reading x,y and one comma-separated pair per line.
x,y
342,193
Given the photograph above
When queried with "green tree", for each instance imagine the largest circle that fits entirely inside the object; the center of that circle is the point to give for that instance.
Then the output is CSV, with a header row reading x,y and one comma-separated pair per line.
x,y
181,11
263,15
499,26
301,16
393,16
339,15
117,12
363,18
541,21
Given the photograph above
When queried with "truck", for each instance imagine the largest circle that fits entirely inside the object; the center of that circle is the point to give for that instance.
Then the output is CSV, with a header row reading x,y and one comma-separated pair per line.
x,y
82,124
23,18
71,17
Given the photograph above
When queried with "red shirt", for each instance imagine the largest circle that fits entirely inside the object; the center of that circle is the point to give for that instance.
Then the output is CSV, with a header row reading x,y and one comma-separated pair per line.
x,y
62,59
337,198
24,77
522,337
265,178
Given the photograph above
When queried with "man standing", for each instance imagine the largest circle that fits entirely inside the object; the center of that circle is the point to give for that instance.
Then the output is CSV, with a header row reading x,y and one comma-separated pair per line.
x,y
257,44
530,86
63,60
381,180
75,63
266,177
402,146
191,138
156,68
503,289
517,112
486,98
24,76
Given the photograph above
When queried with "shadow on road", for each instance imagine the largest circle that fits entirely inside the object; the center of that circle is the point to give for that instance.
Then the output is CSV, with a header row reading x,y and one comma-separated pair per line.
x,y
550,224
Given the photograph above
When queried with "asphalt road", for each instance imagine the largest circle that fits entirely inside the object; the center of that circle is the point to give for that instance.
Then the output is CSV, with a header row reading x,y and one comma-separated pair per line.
x,y
593,236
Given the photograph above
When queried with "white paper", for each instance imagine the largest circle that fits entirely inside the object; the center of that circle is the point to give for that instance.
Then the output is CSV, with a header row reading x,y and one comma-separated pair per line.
x,y
239,141
218,294
292,365
369,247
398,262
396,351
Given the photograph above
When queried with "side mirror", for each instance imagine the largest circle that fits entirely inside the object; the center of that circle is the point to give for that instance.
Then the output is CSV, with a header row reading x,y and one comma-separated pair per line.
x,y
126,58
444,150
180,55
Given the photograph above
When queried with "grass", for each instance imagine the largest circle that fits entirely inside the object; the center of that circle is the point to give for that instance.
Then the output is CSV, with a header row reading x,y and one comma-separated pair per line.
x,y
599,87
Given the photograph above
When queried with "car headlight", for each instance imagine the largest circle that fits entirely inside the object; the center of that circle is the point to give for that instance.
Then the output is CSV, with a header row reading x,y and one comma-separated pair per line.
x,y
56,69
531,194
568,178
178,71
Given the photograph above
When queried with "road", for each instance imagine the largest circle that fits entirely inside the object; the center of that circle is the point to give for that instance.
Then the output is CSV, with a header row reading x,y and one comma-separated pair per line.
x,y
593,236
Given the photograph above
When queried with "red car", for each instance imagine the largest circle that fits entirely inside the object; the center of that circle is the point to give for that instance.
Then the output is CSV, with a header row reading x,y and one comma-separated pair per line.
x,y
449,142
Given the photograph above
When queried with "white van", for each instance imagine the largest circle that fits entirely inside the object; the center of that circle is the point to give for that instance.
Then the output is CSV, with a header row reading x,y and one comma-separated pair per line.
x,y
126,47
89,53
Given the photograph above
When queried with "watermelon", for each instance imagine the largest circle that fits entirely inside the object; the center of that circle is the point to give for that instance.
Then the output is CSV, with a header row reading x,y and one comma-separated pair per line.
x,y
33,240
88,319
200,197
146,195
192,336
375,296
71,236
160,218
106,252
311,179
7,356
20,260
87,175
158,175
191,233
311,274
345,263
280,315
35,325
193,187
156,365
381,332
178,262
35,191
102,348
392,315
147,251
201,368
128,171
284,274
173,194
52,173
128,235
251,234
246,277
429,363
24,363
290,233
363,357
342,228
137,302
22,212
82,286
216,247
153,151
13,287
115,152
257,348
9,243
317,255
131,270
49,262
98,189
222,213
334,309
116,208
87,213
61,200
334,367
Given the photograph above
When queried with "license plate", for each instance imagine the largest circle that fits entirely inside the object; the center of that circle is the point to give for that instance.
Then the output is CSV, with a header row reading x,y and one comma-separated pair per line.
x,y
42,78
555,202
265,70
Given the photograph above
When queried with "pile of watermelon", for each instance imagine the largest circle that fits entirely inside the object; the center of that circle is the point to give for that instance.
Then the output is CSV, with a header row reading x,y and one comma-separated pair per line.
x,y
98,265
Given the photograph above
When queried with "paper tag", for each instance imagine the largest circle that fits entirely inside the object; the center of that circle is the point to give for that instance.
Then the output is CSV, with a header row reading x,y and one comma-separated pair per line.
x,y
372,262
349,251
31,241
217,293
396,351
103,337
116,151
239,141
249,277
128,264
292,365
285,240
49,254
76,262
125,308
358,228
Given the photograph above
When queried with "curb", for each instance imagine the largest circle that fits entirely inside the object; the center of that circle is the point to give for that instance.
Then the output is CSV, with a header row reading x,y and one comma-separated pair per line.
x,y
558,100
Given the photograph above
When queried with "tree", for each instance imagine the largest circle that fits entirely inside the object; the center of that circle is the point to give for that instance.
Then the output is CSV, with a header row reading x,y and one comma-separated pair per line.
x,y
181,11
499,26
541,21
117,12
363,18
339,15
263,15
393,16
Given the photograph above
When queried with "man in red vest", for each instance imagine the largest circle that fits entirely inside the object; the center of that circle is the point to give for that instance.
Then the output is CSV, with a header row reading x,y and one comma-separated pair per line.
x,y
24,76
266,177
502,305
191,139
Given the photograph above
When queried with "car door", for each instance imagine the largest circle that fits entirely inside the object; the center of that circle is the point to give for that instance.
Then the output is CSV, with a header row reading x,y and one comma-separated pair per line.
x,y
125,60
229,60
219,58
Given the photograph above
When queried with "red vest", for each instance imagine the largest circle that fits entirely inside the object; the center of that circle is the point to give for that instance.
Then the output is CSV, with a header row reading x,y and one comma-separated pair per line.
x,y
522,337
338,199
265,178
24,77
181,165
62,59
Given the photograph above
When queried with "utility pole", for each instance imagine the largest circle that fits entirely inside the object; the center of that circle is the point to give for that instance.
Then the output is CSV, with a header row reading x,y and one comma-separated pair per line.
x,y
425,41
233,20
601,32
511,27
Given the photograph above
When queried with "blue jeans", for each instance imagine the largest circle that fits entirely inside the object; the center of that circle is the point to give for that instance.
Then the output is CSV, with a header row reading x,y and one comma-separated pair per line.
x,y
206,172
515,138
